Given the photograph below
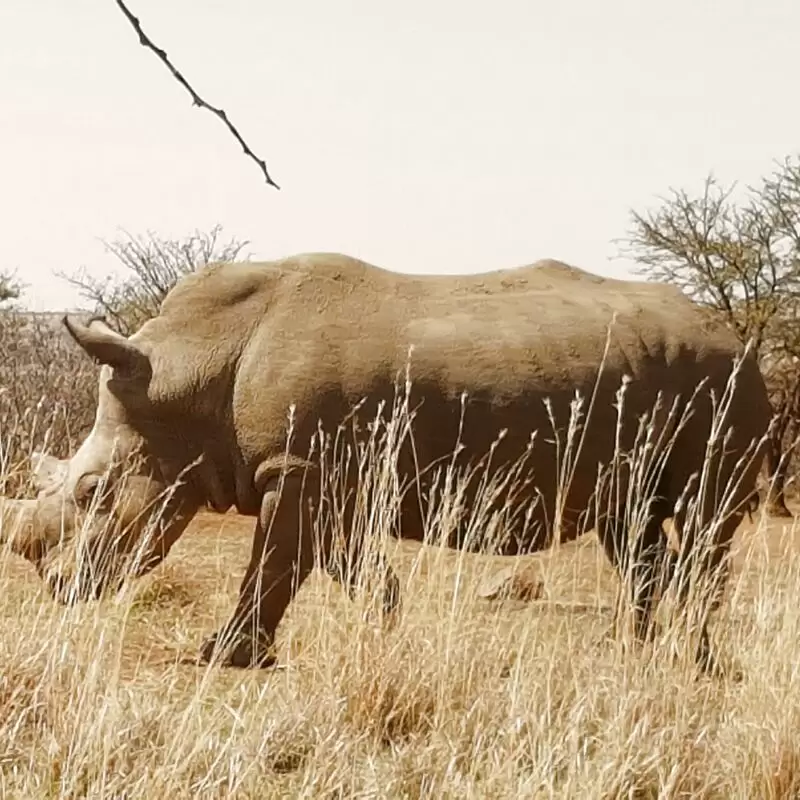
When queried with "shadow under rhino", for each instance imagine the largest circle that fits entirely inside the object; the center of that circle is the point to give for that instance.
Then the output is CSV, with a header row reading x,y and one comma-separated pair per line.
x,y
218,402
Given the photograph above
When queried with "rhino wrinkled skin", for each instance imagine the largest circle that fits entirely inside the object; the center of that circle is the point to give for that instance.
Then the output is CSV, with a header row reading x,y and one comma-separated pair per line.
x,y
194,411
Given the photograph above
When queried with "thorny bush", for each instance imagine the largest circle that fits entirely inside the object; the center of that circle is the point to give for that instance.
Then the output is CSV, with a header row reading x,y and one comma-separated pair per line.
x,y
48,393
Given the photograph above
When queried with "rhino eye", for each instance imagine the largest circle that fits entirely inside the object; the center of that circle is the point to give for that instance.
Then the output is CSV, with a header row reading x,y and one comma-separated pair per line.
x,y
87,488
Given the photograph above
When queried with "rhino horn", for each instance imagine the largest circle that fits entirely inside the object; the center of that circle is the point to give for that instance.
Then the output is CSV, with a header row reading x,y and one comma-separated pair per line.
x,y
106,345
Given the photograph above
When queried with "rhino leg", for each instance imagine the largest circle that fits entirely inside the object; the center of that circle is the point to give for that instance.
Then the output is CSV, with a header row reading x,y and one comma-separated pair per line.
x,y
655,567
650,573
280,560
355,568
652,566
712,565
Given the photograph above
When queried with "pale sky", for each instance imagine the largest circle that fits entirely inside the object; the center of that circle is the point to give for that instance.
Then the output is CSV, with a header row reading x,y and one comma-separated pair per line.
x,y
439,136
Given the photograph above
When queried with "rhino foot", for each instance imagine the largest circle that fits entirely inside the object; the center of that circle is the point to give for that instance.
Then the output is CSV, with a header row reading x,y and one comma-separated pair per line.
x,y
242,651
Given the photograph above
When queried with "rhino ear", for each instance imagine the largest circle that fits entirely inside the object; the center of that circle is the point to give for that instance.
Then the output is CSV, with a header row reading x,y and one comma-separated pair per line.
x,y
106,345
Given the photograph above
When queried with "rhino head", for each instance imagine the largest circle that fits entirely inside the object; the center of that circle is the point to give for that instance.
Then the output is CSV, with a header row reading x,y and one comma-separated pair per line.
x,y
116,506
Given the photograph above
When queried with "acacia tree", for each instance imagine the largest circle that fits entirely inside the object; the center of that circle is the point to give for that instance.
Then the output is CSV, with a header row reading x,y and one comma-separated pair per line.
x,y
152,266
737,253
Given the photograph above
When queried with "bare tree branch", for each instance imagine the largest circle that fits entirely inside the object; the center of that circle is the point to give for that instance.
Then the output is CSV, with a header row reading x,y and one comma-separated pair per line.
x,y
739,256
153,266
198,101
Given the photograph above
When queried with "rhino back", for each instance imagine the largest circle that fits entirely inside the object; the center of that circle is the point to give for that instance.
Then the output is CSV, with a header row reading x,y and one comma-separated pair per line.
x,y
338,330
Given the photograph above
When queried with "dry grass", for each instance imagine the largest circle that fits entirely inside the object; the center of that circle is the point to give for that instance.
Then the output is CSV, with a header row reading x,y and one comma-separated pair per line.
x,y
460,698
463,698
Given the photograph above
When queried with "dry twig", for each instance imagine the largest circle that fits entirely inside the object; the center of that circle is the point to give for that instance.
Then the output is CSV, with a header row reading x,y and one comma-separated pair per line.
x,y
198,101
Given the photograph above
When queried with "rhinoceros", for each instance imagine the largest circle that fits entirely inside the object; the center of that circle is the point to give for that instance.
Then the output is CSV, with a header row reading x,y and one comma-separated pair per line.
x,y
219,399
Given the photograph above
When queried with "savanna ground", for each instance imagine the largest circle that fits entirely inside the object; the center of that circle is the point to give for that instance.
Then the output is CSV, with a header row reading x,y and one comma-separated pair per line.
x,y
463,697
